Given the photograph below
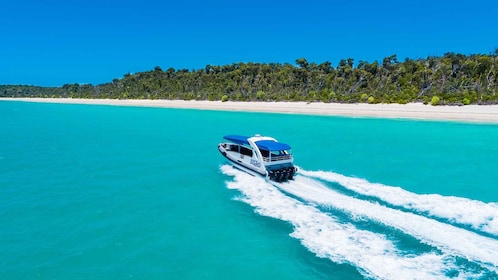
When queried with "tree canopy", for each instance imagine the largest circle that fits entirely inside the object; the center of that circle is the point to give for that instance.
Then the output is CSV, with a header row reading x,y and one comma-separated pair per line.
x,y
455,79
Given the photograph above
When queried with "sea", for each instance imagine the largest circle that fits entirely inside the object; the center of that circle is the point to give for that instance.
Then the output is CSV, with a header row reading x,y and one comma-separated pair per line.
x,y
110,192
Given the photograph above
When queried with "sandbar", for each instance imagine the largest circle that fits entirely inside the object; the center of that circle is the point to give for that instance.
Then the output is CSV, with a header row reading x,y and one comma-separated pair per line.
x,y
416,111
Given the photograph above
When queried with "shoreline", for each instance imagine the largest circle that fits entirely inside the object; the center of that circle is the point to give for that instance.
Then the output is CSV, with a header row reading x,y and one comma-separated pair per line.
x,y
415,111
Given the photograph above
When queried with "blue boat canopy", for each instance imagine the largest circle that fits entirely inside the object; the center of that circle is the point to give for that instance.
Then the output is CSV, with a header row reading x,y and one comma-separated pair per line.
x,y
267,145
238,139
270,145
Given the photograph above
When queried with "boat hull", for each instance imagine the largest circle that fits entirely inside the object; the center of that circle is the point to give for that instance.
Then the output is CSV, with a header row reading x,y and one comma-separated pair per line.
x,y
235,160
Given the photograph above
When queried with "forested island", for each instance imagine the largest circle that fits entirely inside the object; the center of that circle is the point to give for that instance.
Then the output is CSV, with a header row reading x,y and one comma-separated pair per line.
x,y
452,79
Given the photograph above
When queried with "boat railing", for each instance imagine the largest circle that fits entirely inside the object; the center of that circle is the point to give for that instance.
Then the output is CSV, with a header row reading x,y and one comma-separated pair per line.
x,y
277,158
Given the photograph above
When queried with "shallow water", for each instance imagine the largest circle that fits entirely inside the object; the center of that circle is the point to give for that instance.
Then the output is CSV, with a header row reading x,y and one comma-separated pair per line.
x,y
91,191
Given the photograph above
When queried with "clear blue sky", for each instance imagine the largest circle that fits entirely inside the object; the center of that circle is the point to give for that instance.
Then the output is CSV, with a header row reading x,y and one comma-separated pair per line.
x,y
54,42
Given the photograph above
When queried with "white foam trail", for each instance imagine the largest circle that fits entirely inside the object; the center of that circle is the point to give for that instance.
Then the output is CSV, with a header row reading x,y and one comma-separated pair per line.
x,y
448,238
476,214
372,253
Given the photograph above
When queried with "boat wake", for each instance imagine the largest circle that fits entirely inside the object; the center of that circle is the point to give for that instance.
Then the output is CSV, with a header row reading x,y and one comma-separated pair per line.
x,y
480,216
332,225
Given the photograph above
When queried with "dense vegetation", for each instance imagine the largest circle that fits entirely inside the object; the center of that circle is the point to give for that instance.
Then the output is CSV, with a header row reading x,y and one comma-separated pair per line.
x,y
451,79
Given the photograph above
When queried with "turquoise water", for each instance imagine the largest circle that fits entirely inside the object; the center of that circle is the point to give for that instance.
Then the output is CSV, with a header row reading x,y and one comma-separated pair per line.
x,y
103,192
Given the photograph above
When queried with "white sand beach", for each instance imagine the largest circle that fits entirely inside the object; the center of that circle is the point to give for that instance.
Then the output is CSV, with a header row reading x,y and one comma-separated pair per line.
x,y
469,113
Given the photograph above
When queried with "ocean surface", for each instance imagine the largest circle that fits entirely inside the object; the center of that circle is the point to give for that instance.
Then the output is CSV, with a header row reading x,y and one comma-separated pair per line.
x,y
106,192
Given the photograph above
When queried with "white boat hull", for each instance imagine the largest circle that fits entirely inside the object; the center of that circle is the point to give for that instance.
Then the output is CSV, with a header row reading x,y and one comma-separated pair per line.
x,y
241,162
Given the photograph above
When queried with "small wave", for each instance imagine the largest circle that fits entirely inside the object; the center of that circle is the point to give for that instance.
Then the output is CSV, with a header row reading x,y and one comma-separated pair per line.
x,y
476,214
372,253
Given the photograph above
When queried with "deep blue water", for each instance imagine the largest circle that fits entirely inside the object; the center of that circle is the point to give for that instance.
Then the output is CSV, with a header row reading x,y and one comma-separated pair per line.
x,y
104,192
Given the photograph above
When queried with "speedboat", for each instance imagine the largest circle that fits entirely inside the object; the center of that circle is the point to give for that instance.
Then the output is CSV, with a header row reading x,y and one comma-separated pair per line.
x,y
259,155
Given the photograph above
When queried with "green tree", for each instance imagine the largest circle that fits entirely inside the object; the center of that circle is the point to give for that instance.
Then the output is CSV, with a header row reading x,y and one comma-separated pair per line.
x,y
435,100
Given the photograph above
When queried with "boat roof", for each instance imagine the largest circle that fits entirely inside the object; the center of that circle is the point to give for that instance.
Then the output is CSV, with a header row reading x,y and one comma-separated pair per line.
x,y
271,145
268,145
239,139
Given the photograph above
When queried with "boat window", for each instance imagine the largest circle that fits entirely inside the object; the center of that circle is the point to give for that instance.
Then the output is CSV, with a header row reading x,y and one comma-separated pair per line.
x,y
246,151
264,153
